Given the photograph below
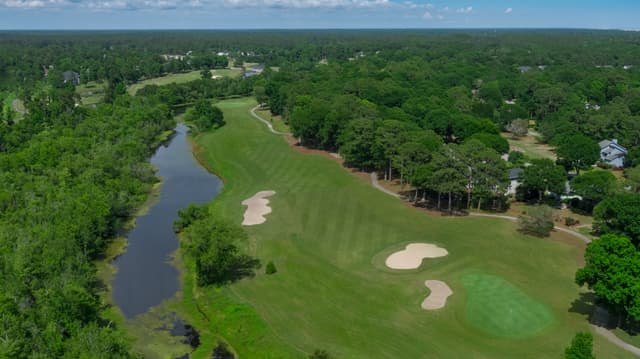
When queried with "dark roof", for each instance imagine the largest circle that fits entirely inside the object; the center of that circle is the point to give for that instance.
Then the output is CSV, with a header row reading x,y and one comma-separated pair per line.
x,y
515,173
70,76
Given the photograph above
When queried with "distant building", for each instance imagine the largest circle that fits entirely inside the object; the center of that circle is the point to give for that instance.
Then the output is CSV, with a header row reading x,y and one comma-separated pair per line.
x,y
72,77
168,57
515,174
524,69
612,153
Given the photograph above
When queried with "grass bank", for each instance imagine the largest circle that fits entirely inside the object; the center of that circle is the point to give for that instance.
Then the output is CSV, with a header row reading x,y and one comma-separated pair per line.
x,y
329,234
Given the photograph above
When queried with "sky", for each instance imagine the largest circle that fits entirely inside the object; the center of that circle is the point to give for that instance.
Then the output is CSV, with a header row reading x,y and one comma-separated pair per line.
x,y
285,14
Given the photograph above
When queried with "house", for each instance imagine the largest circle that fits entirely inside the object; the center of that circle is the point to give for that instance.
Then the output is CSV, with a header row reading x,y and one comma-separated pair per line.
x,y
72,77
514,180
612,153
168,57
524,69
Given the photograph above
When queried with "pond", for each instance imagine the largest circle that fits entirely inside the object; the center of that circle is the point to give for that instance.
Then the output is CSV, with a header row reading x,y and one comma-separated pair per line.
x,y
145,276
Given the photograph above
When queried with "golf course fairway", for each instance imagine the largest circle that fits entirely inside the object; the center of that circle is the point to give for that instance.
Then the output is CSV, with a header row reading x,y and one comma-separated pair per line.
x,y
332,291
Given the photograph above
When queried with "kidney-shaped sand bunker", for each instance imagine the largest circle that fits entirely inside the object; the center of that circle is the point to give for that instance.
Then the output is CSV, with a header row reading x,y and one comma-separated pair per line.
x,y
413,254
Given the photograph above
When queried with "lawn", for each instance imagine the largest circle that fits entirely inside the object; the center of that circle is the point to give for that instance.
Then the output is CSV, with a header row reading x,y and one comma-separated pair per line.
x,y
164,80
530,145
329,234
91,93
234,72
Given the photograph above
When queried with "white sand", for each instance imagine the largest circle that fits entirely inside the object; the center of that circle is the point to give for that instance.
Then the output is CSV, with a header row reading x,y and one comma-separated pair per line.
x,y
440,291
411,257
257,208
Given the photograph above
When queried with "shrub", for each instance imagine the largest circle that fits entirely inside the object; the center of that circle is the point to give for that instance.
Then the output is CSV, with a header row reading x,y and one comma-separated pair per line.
x,y
271,268
538,221
187,216
222,352
581,347
320,354
569,221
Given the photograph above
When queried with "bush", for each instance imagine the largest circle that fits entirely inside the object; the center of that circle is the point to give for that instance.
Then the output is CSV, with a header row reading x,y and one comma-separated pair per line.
x,y
581,347
187,216
569,221
221,351
537,221
271,268
516,157
320,354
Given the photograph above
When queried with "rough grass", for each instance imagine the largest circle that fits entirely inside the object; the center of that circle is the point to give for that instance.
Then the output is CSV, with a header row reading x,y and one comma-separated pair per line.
x,y
530,146
164,80
498,308
325,235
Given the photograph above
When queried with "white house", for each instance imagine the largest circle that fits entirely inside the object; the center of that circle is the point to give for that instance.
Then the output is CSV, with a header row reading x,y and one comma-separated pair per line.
x,y
612,153
514,180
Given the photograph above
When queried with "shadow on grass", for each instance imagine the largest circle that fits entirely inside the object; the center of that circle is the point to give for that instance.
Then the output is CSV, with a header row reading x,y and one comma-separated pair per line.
x,y
588,305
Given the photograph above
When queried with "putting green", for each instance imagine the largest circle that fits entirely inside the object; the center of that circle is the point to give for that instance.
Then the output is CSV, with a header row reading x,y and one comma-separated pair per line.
x,y
498,308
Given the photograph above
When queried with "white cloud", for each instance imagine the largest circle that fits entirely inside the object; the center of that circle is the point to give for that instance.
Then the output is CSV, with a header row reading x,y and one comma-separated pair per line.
x,y
302,4
440,17
508,10
106,5
427,15
31,4
465,10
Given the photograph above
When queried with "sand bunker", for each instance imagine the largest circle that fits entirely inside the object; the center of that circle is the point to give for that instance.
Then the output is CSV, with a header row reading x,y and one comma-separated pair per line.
x,y
440,291
411,257
257,208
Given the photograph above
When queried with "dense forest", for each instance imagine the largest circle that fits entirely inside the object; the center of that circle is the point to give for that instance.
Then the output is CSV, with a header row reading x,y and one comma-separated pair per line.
x,y
424,107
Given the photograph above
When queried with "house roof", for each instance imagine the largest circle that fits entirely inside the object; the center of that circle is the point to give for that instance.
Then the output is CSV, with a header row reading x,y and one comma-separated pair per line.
x,y
612,147
70,75
515,173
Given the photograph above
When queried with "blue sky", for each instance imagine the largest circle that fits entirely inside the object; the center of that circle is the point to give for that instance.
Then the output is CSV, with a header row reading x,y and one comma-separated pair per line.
x,y
248,14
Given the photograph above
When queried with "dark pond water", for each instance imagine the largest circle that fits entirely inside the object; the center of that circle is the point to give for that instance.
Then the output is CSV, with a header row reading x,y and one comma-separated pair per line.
x,y
145,276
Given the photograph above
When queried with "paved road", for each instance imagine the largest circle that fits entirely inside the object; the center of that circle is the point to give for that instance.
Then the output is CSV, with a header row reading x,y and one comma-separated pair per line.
x,y
374,183
561,229
269,125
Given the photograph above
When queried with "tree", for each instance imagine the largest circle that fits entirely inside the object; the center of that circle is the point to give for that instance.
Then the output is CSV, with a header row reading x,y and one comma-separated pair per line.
x,y
632,178
518,127
493,141
357,142
619,214
450,174
578,152
537,221
205,116
593,187
543,175
581,347
213,244
612,267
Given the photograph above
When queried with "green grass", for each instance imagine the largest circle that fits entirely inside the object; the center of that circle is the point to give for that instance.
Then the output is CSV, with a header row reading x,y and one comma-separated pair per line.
x,y
498,308
180,78
227,72
328,235
530,146
165,80
91,93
